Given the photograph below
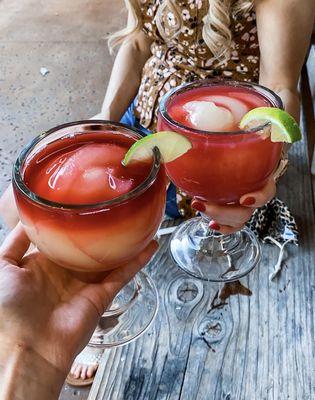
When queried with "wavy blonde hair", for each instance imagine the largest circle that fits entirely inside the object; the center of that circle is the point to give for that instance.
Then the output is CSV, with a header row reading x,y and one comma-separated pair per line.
x,y
216,30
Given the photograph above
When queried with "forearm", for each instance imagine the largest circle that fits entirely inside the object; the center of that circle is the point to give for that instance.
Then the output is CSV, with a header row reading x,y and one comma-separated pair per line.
x,y
125,77
25,374
284,31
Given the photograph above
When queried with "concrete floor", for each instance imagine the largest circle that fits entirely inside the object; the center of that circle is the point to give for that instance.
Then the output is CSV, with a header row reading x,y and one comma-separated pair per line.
x,y
68,38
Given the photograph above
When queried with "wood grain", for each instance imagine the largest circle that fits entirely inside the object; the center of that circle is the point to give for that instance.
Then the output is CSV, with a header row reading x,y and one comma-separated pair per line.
x,y
246,347
72,393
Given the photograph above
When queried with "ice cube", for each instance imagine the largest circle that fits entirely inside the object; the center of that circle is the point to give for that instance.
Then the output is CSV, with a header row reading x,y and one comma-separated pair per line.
x,y
100,183
89,174
207,116
236,107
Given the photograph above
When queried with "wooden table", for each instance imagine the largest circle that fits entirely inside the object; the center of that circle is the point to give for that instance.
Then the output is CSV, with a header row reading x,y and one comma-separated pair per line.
x,y
249,340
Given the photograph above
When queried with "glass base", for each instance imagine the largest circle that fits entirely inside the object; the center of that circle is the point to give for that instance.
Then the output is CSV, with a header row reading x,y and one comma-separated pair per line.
x,y
130,314
211,256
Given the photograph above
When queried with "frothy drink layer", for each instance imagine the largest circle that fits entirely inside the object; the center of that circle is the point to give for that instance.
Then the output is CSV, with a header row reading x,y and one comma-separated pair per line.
x,y
84,172
214,108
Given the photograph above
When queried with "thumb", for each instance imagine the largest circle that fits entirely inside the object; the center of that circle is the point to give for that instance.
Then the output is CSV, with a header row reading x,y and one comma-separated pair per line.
x,y
119,277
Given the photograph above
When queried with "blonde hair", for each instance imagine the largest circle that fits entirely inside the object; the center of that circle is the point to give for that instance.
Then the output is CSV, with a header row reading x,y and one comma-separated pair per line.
x,y
216,30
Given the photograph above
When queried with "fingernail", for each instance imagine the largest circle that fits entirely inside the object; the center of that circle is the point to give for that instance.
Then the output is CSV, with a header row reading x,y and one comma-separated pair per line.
x,y
213,225
249,201
198,205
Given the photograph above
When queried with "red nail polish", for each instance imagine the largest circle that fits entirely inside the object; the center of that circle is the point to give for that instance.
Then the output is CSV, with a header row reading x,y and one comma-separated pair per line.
x,y
249,201
213,225
198,205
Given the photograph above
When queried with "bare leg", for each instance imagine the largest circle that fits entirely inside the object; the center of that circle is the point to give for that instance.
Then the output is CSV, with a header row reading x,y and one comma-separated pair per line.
x,y
99,116
8,210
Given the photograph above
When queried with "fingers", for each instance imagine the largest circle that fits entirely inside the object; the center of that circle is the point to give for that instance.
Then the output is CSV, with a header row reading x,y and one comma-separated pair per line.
x,y
15,245
119,277
231,215
260,197
231,218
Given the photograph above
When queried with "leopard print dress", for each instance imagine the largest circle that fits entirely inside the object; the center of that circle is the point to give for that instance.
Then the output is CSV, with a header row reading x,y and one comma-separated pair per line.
x,y
187,58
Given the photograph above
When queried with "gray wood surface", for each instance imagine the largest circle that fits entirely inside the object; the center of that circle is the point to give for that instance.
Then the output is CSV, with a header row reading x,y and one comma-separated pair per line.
x,y
74,393
207,345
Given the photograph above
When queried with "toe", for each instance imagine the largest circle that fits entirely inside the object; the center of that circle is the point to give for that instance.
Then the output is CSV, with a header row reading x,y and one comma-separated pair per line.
x,y
74,367
91,370
83,372
77,371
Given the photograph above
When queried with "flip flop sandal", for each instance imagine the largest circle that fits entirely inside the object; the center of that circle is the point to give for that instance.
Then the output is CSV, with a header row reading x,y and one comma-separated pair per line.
x,y
79,382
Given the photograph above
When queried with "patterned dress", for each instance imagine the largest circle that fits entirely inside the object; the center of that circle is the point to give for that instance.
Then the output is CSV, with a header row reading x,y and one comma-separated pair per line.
x,y
187,58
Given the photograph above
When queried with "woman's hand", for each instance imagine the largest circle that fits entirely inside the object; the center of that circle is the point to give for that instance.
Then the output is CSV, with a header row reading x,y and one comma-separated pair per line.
x,y
45,308
231,218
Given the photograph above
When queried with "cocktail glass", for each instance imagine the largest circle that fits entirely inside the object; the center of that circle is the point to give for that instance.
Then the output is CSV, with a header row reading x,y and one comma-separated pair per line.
x,y
92,238
220,168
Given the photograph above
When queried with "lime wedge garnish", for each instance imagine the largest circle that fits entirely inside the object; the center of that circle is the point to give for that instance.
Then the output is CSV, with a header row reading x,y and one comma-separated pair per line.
x,y
171,145
283,125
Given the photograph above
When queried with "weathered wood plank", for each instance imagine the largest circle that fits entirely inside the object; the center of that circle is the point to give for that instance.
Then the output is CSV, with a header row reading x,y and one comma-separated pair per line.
x,y
254,347
72,393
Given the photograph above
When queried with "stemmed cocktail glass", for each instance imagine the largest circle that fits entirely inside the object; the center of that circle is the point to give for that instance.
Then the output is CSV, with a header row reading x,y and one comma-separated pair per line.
x,y
222,166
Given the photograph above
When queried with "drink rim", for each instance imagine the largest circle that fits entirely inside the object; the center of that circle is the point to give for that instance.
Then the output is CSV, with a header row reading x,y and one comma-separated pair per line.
x,y
18,180
267,93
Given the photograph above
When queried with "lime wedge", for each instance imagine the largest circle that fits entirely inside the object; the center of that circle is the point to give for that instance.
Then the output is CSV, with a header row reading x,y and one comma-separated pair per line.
x,y
171,145
283,125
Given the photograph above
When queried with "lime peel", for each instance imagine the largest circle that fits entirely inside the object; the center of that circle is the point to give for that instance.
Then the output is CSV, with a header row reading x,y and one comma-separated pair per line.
x,y
170,144
283,126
